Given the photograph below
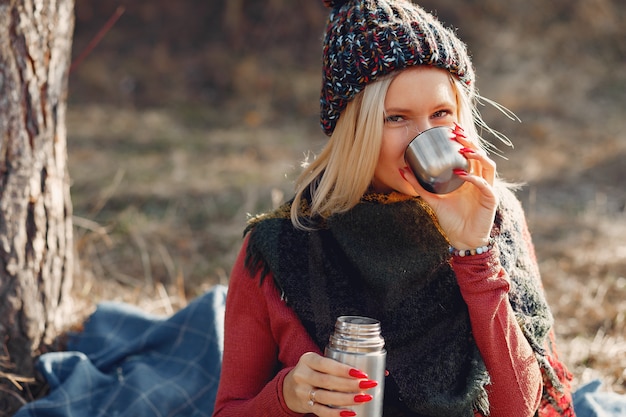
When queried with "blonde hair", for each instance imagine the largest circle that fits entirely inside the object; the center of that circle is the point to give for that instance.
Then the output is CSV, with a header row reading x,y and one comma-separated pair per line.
x,y
339,176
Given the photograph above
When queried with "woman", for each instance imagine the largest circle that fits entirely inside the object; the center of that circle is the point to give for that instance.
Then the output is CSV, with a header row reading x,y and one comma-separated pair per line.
x,y
452,278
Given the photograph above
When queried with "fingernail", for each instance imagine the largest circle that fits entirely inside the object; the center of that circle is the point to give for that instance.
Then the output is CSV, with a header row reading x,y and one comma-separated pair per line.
x,y
362,398
467,150
347,413
459,172
386,372
367,384
457,128
357,374
459,135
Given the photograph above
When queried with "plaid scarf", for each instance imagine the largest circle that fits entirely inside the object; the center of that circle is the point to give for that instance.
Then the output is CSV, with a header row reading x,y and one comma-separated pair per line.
x,y
386,258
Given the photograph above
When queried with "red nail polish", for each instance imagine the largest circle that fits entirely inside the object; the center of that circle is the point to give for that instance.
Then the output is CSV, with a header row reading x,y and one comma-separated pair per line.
x,y
367,384
347,413
362,398
357,374
467,150
386,372
459,172
457,128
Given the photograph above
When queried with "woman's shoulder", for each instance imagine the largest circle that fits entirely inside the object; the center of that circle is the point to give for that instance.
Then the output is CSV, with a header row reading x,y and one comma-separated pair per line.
x,y
283,212
271,239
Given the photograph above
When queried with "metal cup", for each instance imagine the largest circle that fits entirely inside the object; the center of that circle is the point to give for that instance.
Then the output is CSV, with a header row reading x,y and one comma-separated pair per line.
x,y
432,156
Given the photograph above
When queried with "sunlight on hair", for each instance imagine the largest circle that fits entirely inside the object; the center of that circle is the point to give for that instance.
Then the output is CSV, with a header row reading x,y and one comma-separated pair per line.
x,y
478,120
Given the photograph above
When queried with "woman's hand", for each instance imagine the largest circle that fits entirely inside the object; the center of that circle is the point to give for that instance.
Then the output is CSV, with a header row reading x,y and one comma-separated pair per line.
x,y
317,382
466,215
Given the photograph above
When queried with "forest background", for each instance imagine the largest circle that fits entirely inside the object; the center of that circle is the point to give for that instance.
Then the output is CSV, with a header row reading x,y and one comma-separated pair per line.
x,y
189,115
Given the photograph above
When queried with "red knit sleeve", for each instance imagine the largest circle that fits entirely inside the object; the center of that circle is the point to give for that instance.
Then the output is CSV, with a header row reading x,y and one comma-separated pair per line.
x,y
263,341
516,382
557,400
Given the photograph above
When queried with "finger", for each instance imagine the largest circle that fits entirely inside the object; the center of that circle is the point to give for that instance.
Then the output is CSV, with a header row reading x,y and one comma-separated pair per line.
x,y
321,372
459,136
341,384
322,410
325,401
358,395
331,366
482,165
482,185
340,399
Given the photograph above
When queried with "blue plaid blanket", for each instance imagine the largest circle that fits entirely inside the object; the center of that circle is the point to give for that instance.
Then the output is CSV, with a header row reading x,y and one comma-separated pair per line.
x,y
589,401
128,363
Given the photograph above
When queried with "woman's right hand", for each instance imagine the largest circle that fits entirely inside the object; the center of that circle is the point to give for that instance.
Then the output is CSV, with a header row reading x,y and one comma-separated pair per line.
x,y
317,381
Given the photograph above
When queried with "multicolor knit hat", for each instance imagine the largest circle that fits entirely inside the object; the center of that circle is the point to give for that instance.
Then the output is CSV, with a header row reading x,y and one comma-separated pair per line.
x,y
366,39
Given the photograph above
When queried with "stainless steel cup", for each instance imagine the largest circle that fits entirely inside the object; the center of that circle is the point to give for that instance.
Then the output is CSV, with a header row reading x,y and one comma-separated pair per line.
x,y
432,156
357,342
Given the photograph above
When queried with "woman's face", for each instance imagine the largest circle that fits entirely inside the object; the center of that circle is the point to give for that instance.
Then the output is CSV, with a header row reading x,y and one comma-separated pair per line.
x,y
418,99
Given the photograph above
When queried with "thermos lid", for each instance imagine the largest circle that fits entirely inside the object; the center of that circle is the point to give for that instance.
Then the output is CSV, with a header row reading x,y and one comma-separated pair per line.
x,y
356,334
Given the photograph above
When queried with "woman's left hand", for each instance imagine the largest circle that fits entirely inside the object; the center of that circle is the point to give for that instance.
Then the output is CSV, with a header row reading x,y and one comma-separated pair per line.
x,y
466,215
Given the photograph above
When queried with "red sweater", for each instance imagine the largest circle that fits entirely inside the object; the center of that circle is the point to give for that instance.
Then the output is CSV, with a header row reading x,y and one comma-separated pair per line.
x,y
264,340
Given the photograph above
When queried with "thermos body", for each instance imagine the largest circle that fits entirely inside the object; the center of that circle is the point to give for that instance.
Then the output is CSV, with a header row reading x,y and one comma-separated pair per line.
x,y
373,364
357,342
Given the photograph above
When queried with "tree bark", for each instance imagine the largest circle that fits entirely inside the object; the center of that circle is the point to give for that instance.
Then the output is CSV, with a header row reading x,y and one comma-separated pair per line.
x,y
36,248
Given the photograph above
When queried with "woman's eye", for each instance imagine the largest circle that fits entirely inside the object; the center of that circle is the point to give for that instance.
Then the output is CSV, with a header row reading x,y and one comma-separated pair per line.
x,y
394,119
441,113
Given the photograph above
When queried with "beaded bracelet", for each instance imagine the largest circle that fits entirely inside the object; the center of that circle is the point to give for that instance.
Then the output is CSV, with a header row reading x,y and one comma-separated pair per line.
x,y
470,252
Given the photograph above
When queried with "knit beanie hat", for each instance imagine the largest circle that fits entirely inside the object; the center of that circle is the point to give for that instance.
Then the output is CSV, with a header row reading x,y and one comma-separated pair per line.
x,y
366,39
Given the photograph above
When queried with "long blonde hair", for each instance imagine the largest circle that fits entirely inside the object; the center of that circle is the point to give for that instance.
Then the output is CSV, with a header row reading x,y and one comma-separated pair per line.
x,y
339,176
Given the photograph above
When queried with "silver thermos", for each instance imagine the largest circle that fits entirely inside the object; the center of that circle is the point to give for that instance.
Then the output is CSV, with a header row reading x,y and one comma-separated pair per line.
x,y
357,342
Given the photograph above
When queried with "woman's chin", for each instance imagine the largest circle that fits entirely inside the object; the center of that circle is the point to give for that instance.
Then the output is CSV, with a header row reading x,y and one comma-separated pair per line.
x,y
412,192
407,189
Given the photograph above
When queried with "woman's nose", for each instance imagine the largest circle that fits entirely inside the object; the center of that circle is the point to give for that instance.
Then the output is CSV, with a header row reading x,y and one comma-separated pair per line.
x,y
424,125
418,128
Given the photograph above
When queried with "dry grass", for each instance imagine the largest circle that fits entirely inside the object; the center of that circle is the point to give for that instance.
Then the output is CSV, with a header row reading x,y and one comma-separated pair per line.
x,y
584,273
160,203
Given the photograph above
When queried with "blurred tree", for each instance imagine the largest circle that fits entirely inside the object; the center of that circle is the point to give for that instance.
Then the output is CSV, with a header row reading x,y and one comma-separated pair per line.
x,y
35,208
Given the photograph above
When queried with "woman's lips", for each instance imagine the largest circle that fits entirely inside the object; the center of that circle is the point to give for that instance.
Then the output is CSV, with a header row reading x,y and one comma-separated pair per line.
x,y
404,171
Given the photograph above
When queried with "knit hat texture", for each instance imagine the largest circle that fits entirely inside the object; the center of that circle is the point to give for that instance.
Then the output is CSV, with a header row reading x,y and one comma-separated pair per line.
x,y
366,39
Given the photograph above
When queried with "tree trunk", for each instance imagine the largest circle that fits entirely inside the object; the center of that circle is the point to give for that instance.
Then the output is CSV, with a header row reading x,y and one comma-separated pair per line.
x,y
35,209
